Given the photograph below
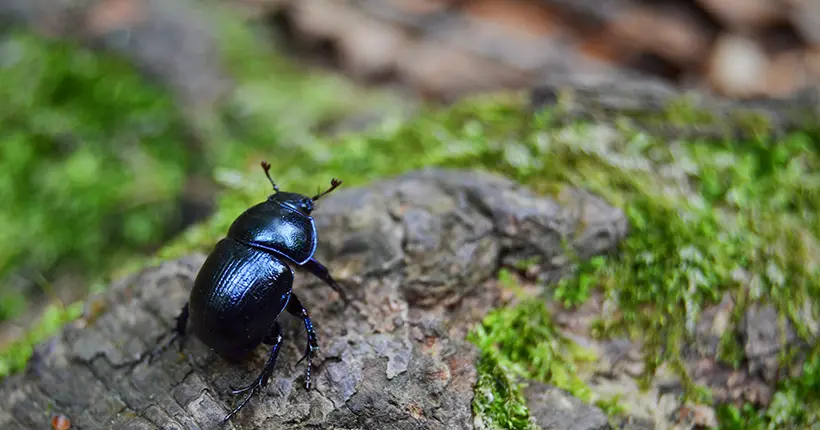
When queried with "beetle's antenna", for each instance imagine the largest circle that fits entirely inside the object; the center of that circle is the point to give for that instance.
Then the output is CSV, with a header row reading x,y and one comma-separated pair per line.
x,y
333,184
266,167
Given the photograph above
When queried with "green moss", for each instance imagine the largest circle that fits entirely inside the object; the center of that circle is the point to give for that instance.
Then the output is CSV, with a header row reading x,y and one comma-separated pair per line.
x,y
612,407
753,122
498,402
92,160
683,112
573,292
524,339
521,343
744,207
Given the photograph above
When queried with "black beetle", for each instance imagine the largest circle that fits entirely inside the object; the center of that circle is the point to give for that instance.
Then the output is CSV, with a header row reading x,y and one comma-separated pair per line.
x,y
246,282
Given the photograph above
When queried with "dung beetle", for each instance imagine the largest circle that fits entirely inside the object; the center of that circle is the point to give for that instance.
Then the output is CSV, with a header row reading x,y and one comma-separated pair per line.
x,y
246,282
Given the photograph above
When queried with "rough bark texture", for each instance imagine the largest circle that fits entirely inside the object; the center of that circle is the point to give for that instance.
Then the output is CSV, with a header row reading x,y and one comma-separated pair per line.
x,y
394,359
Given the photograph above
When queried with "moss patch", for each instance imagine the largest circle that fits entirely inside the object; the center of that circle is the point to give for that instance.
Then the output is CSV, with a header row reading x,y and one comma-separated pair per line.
x,y
521,343
524,336
498,401
92,159
702,215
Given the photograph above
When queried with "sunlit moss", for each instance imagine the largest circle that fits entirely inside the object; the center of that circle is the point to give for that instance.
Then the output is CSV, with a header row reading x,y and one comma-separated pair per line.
x,y
525,336
522,342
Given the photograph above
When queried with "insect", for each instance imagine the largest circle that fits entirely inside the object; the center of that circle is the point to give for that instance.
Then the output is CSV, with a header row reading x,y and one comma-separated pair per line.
x,y
246,282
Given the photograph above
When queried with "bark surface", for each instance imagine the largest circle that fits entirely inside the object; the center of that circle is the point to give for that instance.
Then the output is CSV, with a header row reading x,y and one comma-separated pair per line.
x,y
417,254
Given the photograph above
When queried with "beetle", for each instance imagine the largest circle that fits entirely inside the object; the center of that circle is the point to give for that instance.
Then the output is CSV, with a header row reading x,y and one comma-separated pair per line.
x,y
246,282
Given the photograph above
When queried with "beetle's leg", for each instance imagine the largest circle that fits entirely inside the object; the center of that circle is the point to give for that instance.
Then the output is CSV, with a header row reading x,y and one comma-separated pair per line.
x,y
275,339
182,326
296,309
178,333
320,271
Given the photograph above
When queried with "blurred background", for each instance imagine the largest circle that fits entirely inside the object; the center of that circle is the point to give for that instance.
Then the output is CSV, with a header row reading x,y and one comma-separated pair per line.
x,y
122,121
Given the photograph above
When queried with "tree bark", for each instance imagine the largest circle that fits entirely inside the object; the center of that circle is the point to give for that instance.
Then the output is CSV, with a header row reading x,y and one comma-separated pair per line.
x,y
417,254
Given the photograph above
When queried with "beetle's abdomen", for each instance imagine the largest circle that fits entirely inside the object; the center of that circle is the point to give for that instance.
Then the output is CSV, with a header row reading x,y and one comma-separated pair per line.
x,y
275,227
236,297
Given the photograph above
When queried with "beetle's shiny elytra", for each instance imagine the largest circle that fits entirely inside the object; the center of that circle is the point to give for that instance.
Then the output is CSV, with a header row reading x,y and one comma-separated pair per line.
x,y
246,282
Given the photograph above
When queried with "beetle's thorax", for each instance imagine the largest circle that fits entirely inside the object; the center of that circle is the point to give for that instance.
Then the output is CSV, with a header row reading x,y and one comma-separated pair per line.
x,y
279,224
297,202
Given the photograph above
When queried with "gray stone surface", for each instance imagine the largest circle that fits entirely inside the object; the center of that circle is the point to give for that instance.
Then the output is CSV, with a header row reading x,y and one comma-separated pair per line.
x,y
394,359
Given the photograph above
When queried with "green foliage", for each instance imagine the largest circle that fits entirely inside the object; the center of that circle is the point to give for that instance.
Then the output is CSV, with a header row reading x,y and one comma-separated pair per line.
x,y
521,343
725,209
727,217
754,211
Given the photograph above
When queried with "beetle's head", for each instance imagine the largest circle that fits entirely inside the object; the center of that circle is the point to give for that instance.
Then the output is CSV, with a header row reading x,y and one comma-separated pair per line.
x,y
299,202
